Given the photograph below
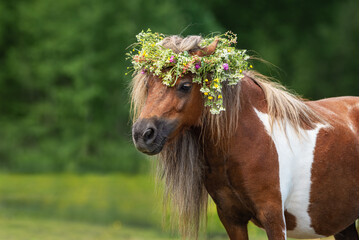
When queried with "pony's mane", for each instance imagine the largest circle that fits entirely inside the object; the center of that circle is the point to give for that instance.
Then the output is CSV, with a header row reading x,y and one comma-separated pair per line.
x,y
181,160
284,107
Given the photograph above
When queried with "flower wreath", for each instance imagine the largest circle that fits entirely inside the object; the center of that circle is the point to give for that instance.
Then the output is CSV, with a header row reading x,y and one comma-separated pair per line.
x,y
224,64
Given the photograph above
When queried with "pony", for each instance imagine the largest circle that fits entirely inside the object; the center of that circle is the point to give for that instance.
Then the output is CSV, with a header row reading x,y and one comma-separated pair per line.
x,y
289,165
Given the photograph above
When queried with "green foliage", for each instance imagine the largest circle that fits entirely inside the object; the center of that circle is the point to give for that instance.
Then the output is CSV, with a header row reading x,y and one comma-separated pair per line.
x,y
312,42
63,92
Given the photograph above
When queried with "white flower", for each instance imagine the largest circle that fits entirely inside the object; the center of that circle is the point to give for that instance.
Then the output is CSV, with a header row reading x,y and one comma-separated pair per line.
x,y
204,89
157,71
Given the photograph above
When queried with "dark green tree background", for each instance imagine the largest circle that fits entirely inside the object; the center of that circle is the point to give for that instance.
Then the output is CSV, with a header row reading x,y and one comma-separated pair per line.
x,y
63,92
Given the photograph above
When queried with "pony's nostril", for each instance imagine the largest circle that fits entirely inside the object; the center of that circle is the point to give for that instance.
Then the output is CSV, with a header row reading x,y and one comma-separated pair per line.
x,y
149,135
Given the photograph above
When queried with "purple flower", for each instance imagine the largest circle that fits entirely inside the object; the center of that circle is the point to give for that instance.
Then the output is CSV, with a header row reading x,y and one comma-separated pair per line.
x,y
225,66
198,66
172,58
143,71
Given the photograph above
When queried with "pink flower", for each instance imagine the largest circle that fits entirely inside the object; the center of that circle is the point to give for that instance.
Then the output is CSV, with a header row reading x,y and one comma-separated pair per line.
x,y
172,59
143,71
225,66
198,66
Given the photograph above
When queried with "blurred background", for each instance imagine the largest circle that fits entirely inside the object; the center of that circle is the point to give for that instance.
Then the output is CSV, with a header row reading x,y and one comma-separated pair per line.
x,y
68,169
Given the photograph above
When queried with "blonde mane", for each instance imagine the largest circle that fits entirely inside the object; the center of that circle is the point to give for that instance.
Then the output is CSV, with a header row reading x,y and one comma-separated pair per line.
x,y
284,106
181,161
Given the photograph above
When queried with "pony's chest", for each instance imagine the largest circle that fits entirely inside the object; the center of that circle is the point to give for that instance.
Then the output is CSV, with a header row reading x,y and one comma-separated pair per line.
x,y
226,200
216,185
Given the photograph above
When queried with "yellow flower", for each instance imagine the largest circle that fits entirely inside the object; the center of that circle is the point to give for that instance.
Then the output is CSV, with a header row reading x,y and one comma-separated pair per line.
x,y
220,96
144,53
184,64
125,73
210,97
206,93
216,80
240,71
206,80
133,50
153,45
251,66
215,85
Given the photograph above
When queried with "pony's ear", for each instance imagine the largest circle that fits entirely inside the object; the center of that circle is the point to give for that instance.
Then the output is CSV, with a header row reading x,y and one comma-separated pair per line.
x,y
206,51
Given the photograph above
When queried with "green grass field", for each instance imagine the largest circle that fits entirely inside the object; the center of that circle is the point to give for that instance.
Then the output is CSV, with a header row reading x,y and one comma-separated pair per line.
x,y
65,206
88,207
15,228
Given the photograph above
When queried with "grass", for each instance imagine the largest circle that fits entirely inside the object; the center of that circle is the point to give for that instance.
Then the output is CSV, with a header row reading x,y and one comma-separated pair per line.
x,y
91,207
50,229
91,198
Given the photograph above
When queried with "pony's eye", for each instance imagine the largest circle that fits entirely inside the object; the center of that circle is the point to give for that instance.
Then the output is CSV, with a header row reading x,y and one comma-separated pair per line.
x,y
185,87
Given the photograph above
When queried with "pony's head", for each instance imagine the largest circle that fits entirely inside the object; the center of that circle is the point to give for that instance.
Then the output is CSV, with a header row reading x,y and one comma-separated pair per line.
x,y
167,111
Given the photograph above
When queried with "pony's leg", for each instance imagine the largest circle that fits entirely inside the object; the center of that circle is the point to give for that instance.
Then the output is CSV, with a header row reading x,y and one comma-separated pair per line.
x,y
272,220
350,233
234,231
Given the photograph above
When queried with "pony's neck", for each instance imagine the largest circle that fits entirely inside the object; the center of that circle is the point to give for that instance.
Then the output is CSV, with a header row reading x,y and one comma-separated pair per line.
x,y
251,97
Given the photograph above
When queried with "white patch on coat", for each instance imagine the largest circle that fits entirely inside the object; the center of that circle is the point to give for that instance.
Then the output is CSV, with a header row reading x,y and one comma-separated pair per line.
x,y
295,156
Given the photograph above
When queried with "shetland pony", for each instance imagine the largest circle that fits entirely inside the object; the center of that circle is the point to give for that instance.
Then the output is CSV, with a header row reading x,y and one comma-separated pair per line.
x,y
290,166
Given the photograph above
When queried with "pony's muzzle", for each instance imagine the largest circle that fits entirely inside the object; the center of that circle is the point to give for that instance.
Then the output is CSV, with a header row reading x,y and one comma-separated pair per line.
x,y
150,134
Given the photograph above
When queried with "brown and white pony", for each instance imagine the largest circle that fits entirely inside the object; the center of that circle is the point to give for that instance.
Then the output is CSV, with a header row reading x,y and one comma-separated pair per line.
x,y
288,165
